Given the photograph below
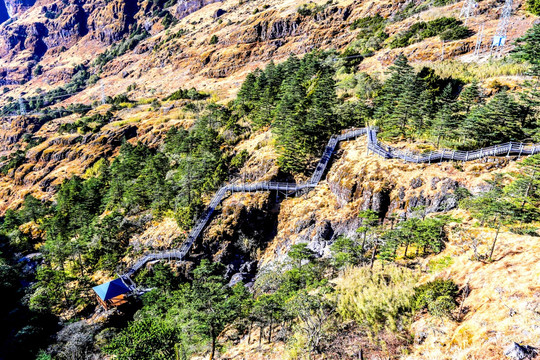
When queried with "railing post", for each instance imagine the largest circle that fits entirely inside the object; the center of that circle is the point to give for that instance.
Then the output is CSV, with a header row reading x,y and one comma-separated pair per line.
x,y
534,150
509,149
481,153
442,155
520,149
467,156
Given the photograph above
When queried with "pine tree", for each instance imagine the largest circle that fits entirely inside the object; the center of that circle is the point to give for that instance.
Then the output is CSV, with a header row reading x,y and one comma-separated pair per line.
x,y
470,97
446,120
398,104
528,49
498,121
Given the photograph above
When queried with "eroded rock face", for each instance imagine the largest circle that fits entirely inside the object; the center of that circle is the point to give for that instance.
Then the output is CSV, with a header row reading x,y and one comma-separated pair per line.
x,y
111,22
17,7
3,12
186,7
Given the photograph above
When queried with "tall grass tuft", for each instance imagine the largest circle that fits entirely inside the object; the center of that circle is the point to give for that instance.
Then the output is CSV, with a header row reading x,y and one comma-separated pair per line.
x,y
467,72
378,300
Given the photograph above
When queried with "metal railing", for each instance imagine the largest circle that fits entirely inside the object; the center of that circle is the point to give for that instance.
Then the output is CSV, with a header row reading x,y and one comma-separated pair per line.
x,y
373,144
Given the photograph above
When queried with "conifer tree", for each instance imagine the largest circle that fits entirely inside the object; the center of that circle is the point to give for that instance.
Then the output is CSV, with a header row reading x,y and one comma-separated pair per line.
x,y
528,49
397,105
446,121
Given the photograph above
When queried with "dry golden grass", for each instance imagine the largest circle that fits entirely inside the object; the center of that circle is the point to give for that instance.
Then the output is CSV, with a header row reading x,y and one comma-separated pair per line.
x,y
469,71
502,307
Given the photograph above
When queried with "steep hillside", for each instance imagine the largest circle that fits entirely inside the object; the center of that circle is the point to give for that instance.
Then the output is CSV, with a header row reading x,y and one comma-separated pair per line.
x,y
120,120
53,37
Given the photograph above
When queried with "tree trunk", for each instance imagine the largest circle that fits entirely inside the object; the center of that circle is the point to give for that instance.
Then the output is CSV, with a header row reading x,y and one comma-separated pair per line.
x,y
260,334
373,256
213,352
406,249
249,331
270,331
363,244
494,242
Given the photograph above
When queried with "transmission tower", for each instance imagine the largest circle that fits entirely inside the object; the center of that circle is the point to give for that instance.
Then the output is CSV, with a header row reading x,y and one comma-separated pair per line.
x,y
499,39
103,98
467,10
22,107
478,46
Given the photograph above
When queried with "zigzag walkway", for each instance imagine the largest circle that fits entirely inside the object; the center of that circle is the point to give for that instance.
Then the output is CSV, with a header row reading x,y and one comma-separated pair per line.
x,y
374,145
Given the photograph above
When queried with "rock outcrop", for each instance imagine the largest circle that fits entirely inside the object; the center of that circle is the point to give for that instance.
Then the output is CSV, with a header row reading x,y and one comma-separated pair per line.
x,y
17,7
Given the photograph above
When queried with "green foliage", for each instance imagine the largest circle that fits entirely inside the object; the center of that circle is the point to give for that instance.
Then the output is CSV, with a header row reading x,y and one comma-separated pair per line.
x,y
119,49
495,210
440,264
87,124
524,191
168,20
371,35
186,317
377,301
446,28
38,70
310,9
427,235
15,160
78,82
239,159
213,40
188,94
300,96
443,2
438,297
345,252
145,339
533,6
528,47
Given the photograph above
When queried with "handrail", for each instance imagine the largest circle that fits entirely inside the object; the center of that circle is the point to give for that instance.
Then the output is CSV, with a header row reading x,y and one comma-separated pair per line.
x,y
373,144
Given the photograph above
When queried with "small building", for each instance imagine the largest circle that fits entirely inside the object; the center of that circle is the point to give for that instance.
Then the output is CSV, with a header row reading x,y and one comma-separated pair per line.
x,y
112,293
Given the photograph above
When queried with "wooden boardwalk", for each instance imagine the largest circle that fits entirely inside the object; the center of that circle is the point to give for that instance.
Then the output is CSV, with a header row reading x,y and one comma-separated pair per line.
x,y
373,144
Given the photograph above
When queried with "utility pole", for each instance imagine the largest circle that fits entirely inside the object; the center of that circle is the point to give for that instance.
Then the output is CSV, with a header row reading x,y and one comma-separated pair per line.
x,y
22,107
499,39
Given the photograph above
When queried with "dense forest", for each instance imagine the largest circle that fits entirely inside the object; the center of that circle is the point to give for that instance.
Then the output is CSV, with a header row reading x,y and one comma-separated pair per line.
x,y
303,101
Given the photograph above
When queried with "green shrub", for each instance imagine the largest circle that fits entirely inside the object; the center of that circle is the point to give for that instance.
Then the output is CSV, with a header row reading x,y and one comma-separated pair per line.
x,y
377,301
371,36
534,6
239,159
187,94
438,297
213,40
309,9
447,28
442,2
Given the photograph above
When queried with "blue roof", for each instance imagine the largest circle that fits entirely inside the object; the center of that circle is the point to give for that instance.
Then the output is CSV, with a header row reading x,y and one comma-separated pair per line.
x,y
111,289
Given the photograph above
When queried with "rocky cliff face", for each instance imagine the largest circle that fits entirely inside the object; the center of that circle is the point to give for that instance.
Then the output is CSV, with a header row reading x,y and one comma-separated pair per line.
x,y
17,7
186,7
4,15
248,35
254,229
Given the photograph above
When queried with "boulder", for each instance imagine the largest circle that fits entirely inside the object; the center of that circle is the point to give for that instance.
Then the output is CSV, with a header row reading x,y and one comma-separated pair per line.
x,y
516,351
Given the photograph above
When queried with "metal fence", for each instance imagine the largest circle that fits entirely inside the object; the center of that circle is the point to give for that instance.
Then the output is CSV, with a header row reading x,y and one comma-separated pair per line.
x,y
374,145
